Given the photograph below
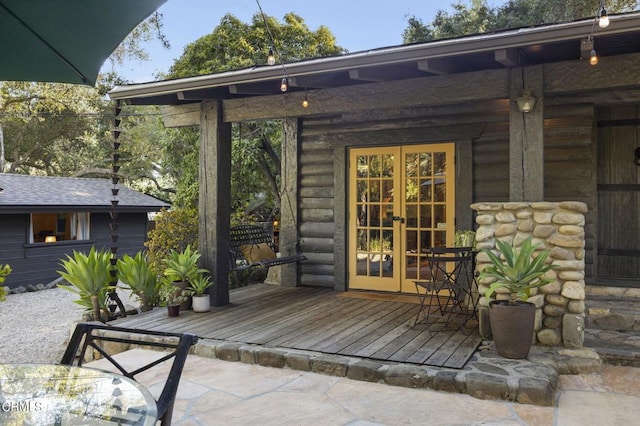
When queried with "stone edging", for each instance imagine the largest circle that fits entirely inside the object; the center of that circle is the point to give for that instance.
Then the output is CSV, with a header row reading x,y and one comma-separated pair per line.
x,y
30,288
486,376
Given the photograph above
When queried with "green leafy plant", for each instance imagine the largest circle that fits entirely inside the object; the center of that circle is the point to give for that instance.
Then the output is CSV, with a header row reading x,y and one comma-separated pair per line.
x,y
169,294
139,277
183,265
519,272
5,270
464,238
199,284
89,277
175,229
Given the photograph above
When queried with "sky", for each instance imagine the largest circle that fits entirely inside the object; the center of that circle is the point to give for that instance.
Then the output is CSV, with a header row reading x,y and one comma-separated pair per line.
x,y
357,24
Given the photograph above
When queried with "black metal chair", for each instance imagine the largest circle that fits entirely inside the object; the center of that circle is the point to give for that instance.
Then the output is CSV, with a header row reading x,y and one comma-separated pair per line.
x,y
89,335
450,269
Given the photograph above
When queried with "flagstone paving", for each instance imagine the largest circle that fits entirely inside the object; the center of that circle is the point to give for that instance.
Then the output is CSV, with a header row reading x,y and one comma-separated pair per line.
x,y
217,392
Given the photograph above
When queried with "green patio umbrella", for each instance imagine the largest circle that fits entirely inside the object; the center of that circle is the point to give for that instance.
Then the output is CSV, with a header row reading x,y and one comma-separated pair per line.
x,y
64,41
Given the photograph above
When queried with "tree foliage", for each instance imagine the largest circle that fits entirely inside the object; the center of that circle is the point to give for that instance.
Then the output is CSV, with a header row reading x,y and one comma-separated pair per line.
x,y
64,130
41,121
176,229
477,17
233,45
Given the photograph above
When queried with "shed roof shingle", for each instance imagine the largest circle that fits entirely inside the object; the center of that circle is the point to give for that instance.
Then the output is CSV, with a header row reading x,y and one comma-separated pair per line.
x,y
88,193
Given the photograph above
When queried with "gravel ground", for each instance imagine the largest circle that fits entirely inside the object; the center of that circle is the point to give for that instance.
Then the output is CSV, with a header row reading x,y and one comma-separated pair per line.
x,y
35,327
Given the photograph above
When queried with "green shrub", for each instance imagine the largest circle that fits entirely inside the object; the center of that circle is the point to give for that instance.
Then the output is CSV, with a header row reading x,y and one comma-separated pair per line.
x,y
90,279
175,230
4,271
139,277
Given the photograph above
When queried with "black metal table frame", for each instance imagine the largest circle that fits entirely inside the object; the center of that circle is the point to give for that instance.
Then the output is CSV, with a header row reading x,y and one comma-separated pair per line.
x,y
459,280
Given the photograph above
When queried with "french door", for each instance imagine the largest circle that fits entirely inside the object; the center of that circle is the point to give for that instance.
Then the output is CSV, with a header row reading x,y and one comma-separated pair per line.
x,y
401,202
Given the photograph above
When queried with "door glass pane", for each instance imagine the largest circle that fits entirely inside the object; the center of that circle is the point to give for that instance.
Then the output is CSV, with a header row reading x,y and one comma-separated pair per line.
x,y
411,165
412,242
426,217
374,215
387,217
411,267
387,166
374,166
440,216
411,190
362,190
387,190
426,190
426,165
374,190
411,216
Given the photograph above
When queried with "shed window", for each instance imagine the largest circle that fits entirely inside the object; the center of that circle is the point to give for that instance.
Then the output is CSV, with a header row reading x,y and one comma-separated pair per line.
x,y
59,227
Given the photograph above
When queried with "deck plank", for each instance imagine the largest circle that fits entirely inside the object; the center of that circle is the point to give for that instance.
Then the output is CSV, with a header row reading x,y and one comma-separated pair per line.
x,y
322,320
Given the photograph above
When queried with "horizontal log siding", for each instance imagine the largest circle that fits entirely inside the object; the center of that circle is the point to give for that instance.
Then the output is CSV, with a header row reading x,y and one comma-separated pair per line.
x,y
569,163
491,163
316,213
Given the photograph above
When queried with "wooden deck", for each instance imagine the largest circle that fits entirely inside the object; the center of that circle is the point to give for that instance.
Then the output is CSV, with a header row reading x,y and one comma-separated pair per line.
x,y
366,325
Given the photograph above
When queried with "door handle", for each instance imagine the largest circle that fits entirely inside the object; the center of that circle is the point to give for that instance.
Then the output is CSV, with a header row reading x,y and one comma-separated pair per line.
x,y
398,219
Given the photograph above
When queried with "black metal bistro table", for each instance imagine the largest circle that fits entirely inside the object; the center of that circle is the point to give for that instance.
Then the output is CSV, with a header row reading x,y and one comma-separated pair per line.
x,y
44,394
451,269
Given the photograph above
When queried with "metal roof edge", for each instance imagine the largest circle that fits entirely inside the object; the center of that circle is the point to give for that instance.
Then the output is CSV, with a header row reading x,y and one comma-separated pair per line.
x,y
387,55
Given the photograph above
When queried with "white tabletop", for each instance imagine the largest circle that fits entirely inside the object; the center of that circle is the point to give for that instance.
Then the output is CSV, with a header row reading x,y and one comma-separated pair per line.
x,y
43,394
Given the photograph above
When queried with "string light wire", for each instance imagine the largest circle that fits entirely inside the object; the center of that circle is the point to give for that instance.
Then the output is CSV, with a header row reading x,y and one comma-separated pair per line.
x,y
284,84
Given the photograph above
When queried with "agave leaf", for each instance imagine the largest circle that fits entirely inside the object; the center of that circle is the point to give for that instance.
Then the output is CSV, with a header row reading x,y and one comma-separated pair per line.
x,y
519,272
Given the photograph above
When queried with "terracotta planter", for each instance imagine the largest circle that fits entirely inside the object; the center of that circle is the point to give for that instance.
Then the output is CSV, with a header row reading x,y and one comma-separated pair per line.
x,y
512,327
201,303
173,310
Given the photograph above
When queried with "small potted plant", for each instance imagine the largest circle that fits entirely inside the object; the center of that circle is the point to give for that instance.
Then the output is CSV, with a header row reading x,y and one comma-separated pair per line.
x,y
518,271
171,297
181,266
198,286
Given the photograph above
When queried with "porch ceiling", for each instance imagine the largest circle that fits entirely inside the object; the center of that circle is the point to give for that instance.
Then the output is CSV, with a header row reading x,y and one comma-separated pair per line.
x,y
505,49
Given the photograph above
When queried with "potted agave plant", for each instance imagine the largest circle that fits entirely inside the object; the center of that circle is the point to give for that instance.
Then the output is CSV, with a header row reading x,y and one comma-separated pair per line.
x,y
518,271
198,289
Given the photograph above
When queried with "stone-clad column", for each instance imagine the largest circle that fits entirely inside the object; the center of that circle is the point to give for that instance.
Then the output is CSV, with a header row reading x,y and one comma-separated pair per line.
x,y
558,227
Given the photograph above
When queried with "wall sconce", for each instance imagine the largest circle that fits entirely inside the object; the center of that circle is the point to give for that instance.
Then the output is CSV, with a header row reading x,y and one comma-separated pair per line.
x,y
50,239
526,102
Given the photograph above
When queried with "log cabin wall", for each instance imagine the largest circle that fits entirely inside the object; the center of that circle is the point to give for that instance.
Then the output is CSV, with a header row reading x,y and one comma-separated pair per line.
x,y
484,126
569,164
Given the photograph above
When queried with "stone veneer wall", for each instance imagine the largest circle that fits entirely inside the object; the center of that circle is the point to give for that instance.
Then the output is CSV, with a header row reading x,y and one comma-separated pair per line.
x,y
559,227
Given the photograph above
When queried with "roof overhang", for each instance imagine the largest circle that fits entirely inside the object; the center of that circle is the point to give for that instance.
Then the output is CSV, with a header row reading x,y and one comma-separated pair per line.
x,y
504,49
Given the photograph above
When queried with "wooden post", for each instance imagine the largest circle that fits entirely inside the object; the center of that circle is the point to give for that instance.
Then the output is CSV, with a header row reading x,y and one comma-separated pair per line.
x,y
526,138
289,202
215,198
